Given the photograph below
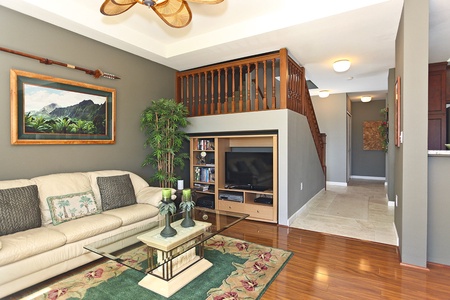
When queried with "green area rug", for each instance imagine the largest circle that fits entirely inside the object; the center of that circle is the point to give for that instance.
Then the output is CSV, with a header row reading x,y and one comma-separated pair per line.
x,y
240,270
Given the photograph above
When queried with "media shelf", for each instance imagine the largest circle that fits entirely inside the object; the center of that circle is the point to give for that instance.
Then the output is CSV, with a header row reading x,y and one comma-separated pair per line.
x,y
207,167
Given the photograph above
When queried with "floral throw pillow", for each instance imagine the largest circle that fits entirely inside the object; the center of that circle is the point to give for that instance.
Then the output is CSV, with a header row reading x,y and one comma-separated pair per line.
x,y
73,206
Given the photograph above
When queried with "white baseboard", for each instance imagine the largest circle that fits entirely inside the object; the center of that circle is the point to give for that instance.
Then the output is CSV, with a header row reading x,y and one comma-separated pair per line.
x,y
298,212
368,177
337,183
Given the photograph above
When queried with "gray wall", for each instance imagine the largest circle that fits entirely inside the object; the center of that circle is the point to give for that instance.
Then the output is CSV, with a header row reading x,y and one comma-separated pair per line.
x,y
438,203
411,165
390,160
297,159
331,115
366,162
142,81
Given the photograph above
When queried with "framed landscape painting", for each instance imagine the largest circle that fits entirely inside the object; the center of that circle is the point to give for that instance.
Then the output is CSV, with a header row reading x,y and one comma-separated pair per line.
x,y
48,110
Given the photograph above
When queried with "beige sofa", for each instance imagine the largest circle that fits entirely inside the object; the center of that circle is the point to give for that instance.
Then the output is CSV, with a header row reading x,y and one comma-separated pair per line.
x,y
45,221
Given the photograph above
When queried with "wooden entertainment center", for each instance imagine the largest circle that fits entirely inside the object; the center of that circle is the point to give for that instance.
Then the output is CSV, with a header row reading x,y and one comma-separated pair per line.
x,y
208,178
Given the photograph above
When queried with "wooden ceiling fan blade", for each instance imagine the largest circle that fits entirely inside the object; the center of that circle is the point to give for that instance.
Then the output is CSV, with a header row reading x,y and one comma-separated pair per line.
x,y
175,13
124,2
206,1
110,8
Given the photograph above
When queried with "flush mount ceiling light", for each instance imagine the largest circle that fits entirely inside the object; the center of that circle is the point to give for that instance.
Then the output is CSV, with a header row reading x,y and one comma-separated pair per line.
x,y
341,65
324,93
366,99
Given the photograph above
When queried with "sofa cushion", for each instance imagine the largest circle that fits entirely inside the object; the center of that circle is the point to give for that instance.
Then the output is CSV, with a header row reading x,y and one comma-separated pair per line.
x,y
138,182
152,195
20,245
19,209
88,226
116,191
7,184
72,206
133,213
56,185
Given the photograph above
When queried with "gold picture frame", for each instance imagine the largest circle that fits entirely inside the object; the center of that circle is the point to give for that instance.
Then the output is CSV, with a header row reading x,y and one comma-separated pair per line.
x,y
49,110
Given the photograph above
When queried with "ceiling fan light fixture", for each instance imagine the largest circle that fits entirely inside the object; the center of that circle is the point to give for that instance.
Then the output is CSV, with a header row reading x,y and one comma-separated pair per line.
x,y
324,93
366,99
341,65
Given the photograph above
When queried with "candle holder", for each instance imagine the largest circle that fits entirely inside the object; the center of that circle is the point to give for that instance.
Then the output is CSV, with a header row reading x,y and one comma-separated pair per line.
x,y
187,205
166,208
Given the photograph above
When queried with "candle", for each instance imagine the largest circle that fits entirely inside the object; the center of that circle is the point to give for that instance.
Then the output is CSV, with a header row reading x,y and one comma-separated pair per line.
x,y
187,194
166,193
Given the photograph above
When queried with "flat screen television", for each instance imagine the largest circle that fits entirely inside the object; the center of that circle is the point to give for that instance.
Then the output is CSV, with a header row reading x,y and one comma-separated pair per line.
x,y
249,170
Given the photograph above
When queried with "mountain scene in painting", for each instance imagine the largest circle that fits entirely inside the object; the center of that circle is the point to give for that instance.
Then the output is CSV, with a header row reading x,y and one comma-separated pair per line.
x,y
85,117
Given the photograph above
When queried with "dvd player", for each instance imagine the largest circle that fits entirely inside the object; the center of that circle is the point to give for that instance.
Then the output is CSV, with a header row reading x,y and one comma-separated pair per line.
x,y
264,200
236,197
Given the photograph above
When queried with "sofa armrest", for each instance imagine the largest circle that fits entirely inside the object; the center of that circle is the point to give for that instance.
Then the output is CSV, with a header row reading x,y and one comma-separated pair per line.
x,y
152,195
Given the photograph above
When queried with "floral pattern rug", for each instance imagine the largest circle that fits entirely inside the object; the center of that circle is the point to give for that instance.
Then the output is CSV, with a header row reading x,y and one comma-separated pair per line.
x,y
256,268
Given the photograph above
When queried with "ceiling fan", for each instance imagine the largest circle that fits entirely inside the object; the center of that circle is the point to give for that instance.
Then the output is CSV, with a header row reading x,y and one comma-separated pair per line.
x,y
175,13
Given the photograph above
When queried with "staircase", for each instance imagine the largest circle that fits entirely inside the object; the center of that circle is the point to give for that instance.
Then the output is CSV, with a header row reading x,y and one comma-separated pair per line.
x,y
259,83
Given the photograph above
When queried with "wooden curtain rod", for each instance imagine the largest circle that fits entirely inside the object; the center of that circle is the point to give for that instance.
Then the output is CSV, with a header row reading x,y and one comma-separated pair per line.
x,y
96,73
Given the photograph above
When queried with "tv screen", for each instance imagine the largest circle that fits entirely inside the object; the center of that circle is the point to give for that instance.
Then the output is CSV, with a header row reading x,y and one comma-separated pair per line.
x,y
249,170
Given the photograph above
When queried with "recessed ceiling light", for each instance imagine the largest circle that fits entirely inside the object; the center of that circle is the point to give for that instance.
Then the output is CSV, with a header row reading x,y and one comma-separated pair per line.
x,y
341,65
366,99
324,93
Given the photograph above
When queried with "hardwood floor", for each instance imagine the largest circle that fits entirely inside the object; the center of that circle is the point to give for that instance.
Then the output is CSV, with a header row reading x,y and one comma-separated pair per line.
x,y
332,267
326,266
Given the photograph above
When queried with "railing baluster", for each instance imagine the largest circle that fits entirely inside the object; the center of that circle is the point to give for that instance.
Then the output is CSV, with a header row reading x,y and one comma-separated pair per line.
x,y
256,105
188,95
219,100
213,100
274,97
205,91
265,87
225,100
249,82
233,90
240,88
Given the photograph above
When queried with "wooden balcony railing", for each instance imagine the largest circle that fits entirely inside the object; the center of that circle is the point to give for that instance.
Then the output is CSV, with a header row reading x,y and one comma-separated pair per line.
x,y
264,82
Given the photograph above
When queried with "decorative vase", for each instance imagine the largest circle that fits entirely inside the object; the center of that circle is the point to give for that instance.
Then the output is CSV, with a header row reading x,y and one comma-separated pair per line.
x,y
166,208
187,204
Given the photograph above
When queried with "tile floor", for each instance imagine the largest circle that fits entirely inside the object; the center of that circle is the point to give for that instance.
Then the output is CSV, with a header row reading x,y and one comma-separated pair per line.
x,y
359,210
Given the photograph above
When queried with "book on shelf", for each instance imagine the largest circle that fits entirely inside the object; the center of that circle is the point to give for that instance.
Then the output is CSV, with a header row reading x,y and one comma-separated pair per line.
x,y
204,174
205,145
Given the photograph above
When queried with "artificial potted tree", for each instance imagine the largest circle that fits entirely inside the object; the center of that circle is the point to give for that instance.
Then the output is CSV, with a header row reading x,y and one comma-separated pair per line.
x,y
162,122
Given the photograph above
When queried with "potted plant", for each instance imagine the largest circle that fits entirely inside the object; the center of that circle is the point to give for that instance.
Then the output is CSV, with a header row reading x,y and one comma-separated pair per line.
x,y
162,122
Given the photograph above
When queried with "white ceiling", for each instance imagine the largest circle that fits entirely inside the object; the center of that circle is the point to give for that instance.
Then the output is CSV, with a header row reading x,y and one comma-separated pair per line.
x,y
316,33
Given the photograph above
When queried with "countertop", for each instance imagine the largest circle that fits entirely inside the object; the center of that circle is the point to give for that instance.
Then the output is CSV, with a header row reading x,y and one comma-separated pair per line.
x,y
439,153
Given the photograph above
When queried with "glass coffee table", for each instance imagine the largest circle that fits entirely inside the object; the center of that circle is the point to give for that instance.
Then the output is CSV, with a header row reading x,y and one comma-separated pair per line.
x,y
169,263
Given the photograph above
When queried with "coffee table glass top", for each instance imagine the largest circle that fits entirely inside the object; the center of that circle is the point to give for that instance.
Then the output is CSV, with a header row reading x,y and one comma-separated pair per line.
x,y
131,248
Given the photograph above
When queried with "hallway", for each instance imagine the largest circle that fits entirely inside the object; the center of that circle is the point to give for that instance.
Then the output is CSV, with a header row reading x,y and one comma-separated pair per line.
x,y
359,210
